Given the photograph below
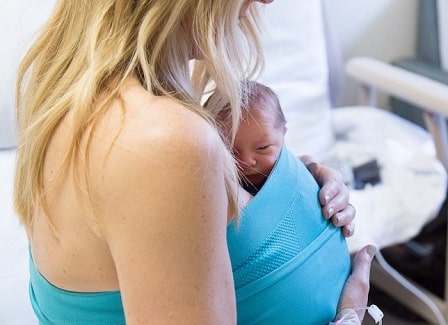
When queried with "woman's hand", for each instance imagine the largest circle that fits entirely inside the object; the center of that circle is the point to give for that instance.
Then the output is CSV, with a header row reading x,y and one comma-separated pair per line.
x,y
356,290
334,195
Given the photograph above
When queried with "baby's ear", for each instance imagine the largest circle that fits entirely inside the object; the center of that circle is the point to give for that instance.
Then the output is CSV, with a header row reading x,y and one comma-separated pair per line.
x,y
285,129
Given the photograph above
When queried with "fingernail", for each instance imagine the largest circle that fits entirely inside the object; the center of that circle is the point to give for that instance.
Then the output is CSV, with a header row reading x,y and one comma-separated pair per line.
x,y
338,220
351,229
327,198
330,212
371,250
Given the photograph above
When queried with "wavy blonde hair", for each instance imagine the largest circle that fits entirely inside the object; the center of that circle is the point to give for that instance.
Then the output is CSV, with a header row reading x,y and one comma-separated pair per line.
x,y
88,48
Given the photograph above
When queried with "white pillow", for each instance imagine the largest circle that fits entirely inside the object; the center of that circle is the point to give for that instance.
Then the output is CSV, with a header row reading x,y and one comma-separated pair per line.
x,y
297,70
20,21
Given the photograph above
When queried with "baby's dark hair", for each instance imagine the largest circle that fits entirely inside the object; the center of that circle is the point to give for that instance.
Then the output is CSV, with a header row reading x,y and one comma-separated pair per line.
x,y
263,97
255,96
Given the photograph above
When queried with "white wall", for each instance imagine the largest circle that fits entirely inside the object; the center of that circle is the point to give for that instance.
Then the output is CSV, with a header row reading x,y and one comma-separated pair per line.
x,y
384,29
20,19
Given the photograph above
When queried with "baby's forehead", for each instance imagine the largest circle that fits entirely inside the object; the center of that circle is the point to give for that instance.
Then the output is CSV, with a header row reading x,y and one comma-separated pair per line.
x,y
256,128
258,114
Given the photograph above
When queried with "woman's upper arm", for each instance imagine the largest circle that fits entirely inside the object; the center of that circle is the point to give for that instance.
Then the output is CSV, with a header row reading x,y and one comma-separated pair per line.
x,y
164,219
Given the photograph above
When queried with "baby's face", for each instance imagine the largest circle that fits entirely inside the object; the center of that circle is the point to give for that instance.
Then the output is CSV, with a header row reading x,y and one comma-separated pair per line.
x,y
257,145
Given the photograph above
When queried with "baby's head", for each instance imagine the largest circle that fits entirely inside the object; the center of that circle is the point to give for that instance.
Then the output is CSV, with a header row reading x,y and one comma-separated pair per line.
x,y
260,134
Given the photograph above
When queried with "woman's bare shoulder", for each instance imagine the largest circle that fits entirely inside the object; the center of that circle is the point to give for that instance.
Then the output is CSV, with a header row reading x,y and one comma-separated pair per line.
x,y
153,140
152,124
162,207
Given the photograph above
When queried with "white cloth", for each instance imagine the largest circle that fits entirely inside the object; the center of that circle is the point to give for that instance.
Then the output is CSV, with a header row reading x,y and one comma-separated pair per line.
x,y
413,184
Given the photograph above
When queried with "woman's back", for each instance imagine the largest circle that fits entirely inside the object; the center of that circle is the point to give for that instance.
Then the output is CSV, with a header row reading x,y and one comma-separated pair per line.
x,y
147,165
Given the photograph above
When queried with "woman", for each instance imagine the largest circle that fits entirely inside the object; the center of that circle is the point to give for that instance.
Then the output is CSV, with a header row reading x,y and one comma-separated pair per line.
x,y
114,155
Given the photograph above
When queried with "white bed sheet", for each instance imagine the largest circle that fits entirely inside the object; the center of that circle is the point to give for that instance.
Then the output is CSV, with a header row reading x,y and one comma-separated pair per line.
x,y
414,182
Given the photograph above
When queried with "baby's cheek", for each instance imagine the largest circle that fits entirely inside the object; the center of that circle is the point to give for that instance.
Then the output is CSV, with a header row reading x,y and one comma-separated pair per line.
x,y
273,158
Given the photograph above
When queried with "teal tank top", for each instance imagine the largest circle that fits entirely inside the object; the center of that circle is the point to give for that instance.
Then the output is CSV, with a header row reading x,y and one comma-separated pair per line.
x,y
53,305
289,263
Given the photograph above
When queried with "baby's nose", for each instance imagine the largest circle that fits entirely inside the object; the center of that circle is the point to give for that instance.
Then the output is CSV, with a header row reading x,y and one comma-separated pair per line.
x,y
246,160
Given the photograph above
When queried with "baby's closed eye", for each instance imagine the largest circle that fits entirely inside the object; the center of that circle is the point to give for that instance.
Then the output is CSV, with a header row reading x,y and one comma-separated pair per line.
x,y
264,147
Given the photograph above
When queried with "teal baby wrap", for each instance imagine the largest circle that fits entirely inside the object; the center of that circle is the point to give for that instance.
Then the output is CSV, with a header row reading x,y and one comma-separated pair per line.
x,y
289,263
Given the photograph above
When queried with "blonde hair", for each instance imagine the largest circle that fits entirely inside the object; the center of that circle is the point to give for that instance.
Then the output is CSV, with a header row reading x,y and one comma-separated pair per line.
x,y
88,48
